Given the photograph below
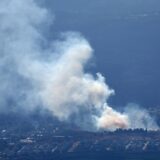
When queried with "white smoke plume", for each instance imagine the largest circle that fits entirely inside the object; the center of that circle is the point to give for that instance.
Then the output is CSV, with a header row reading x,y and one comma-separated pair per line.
x,y
35,72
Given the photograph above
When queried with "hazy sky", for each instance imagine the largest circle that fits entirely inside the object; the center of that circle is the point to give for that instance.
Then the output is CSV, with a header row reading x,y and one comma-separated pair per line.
x,y
53,54
125,35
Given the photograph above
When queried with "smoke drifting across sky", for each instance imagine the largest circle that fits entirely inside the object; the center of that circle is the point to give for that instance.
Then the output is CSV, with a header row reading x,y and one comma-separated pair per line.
x,y
53,76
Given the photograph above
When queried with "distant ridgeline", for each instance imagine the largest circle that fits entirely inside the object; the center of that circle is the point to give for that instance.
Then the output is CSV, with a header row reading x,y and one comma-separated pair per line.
x,y
39,138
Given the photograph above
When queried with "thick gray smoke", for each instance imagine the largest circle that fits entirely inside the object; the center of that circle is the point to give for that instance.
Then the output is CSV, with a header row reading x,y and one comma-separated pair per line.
x,y
53,76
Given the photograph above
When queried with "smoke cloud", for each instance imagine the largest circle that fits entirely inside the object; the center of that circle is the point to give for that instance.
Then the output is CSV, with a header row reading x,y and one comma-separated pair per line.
x,y
36,72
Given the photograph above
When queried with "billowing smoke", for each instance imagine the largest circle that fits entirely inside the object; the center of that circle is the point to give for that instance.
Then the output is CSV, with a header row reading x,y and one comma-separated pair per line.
x,y
36,72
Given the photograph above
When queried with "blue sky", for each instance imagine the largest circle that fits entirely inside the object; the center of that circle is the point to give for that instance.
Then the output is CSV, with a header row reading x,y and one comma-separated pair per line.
x,y
125,36
43,62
